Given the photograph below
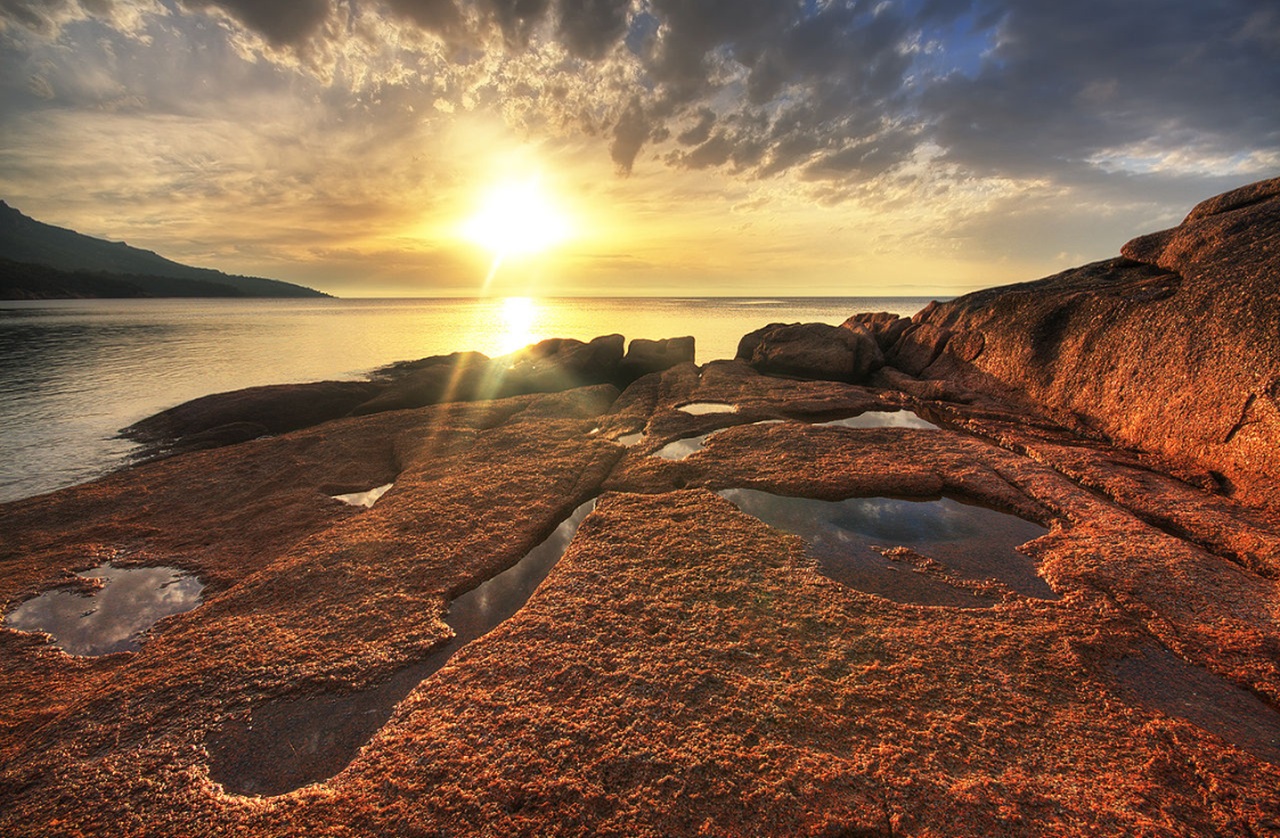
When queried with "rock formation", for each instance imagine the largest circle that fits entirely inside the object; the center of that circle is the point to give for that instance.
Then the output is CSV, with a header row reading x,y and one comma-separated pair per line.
x,y
686,669
1172,348
546,367
848,352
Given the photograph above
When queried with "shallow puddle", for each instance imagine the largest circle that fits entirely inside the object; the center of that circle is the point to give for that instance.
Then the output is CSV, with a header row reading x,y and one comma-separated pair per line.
x,y
704,408
974,542
631,439
110,618
1160,680
681,448
881,419
292,743
365,499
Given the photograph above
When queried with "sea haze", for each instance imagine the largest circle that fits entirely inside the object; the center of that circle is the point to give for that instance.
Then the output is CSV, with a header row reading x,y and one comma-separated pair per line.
x,y
73,372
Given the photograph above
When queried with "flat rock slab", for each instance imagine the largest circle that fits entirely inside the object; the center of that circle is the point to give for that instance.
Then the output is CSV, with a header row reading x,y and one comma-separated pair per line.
x,y
685,669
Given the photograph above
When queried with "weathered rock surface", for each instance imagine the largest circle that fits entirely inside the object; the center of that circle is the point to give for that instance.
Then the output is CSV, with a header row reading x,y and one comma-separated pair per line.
x,y
886,326
244,414
1172,348
546,367
813,350
686,669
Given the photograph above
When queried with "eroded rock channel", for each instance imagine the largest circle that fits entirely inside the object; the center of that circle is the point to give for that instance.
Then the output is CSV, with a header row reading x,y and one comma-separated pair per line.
x,y
288,744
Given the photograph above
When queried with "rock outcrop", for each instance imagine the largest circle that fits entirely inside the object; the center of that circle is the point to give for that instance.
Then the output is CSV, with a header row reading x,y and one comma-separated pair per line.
x,y
1172,348
646,356
687,669
227,418
546,367
848,352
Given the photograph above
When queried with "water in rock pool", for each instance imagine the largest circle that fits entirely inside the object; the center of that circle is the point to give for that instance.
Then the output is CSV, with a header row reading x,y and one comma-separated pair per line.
x,y
290,743
683,448
109,619
367,498
881,419
705,408
974,542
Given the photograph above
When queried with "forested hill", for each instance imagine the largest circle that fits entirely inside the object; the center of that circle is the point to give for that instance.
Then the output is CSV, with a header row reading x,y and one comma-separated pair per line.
x,y
41,261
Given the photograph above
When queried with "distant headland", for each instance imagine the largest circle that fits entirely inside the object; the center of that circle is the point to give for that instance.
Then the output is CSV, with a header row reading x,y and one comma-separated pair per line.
x,y
42,262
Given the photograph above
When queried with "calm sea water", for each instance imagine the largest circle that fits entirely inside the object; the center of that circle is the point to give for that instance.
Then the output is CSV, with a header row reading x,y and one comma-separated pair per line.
x,y
73,372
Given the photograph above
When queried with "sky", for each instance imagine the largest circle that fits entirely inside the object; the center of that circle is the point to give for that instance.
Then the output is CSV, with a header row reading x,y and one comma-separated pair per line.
x,y
674,147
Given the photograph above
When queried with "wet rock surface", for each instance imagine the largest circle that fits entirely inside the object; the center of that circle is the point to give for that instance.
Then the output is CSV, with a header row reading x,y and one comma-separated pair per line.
x,y
685,668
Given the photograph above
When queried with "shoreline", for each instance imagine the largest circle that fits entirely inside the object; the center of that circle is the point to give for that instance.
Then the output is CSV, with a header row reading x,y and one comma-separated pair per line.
x,y
781,630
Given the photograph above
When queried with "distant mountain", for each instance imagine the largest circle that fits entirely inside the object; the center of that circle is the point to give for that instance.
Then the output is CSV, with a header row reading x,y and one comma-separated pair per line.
x,y
40,261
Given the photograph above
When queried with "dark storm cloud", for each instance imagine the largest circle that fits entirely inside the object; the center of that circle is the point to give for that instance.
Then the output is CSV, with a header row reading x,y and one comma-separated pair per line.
x,y
589,28
38,15
439,16
516,18
850,89
1036,88
1067,81
630,132
281,22
791,79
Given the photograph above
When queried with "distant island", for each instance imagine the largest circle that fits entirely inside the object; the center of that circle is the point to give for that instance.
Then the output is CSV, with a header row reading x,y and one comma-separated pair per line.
x,y
42,262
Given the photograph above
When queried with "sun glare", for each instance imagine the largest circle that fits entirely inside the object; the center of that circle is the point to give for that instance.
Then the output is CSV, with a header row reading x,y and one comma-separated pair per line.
x,y
517,318
517,219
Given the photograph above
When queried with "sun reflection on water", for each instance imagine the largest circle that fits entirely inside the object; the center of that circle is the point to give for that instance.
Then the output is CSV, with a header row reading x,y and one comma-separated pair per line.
x,y
517,317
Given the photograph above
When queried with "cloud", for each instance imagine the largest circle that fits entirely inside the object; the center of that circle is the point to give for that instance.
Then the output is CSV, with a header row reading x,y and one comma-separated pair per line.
x,y
1067,82
629,133
589,28
844,105
438,16
281,22
838,90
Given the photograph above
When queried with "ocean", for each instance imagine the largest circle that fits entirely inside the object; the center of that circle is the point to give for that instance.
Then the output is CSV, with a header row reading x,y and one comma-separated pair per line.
x,y
74,372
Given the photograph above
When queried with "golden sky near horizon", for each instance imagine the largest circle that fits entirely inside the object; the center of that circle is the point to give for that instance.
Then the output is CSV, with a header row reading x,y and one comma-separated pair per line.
x,y
683,147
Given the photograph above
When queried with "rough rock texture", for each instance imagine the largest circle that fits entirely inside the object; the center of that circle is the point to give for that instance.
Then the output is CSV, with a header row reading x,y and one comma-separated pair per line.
x,y
685,669
241,415
646,356
886,326
1172,348
848,352
546,367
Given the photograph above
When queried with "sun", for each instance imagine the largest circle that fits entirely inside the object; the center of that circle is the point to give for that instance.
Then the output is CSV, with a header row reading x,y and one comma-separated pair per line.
x,y
517,218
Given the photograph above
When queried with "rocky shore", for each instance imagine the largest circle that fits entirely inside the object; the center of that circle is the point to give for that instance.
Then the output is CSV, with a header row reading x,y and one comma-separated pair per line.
x,y
687,668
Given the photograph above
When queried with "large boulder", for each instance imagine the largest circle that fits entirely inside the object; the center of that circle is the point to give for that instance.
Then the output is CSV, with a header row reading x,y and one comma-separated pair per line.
x,y
253,411
548,366
647,356
1173,348
813,350
561,364
886,326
